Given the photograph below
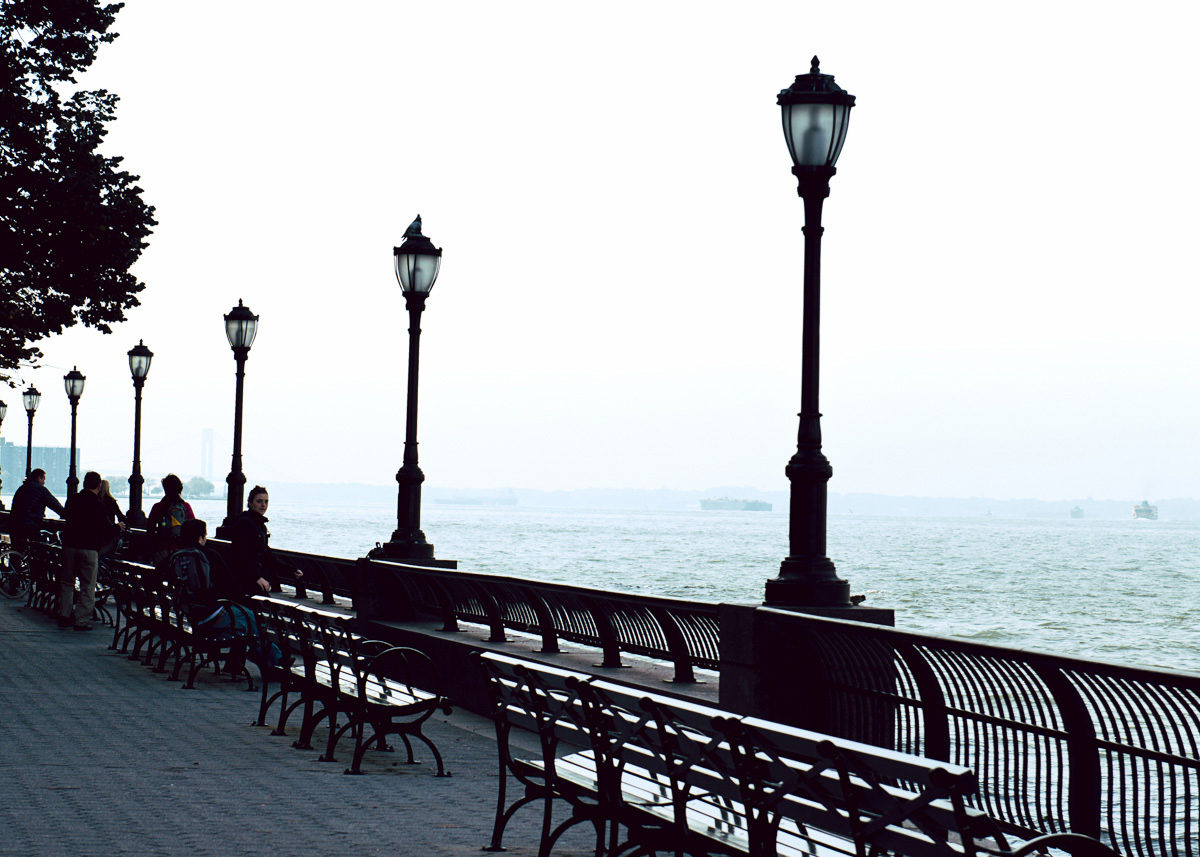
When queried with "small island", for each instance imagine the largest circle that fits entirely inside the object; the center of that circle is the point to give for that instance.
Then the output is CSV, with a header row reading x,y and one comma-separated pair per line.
x,y
726,504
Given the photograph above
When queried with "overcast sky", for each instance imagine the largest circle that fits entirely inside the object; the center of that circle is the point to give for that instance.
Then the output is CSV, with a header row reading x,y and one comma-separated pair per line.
x,y
1009,294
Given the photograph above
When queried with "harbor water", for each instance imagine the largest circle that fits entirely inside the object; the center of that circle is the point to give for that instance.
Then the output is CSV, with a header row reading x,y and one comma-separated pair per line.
x,y
1126,591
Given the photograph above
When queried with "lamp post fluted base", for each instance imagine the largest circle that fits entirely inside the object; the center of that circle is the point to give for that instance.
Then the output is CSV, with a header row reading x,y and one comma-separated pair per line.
x,y
404,545
411,549
808,583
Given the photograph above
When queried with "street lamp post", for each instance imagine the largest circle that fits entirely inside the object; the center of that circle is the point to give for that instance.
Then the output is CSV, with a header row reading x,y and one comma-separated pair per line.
x,y
417,264
73,382
816,112
30,398
241,326
3,412
139,367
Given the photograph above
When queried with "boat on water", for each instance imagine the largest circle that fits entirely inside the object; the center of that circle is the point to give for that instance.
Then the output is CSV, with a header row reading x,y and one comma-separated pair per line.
x,y
1145,511
1076,512
726,504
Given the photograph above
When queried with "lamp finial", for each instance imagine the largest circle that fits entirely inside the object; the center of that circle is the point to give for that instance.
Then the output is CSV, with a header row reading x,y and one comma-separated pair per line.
x,y
816,65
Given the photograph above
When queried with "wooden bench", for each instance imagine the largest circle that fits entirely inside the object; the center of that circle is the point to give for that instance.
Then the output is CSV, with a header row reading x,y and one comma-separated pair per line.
x,y
346,680
650,773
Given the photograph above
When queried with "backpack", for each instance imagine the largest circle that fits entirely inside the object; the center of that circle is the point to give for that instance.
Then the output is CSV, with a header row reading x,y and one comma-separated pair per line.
x,y
191,571
173,517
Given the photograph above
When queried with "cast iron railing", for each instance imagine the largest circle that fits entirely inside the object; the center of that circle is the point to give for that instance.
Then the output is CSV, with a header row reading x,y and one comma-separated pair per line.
x,y
1058,743
668,629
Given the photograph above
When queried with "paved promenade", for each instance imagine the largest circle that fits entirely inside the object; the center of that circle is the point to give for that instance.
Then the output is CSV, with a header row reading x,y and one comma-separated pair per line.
x,y
100,756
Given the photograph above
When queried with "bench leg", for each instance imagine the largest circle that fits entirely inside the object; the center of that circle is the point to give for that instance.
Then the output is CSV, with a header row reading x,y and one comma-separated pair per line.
x,y
504,816
335,735
181,657
285,711
309,726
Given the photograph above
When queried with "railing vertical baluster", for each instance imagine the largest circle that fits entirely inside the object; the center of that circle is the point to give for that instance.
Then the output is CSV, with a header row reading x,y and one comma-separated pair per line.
x,y
495,615
1083,752
545,620
676,645
934,718
610,645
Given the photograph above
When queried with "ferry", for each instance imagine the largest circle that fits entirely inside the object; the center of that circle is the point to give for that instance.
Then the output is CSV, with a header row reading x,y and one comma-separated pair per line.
x,y
1077,512
1145,511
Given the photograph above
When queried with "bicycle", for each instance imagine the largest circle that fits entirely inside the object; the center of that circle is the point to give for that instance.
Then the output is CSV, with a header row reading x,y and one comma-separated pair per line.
x,y
15,578
14,573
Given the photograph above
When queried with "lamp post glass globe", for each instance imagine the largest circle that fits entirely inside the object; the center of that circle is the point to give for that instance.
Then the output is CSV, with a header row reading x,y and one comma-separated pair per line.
x,y
31,398
417,261
73,383
139,361
241,325
816,115
3,411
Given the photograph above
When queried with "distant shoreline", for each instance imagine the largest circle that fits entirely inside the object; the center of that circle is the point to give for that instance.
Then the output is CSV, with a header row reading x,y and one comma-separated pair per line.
x,y
666,499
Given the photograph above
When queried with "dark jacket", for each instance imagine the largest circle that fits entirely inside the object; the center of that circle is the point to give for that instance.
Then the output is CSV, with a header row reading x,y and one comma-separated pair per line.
x,y
203,581
29,506
89,523
113,507
250,553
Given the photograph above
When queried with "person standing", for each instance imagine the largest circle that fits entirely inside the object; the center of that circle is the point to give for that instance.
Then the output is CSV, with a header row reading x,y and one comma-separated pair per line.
x,y
254,566
116,516
167,516
29,507
110,502
89,527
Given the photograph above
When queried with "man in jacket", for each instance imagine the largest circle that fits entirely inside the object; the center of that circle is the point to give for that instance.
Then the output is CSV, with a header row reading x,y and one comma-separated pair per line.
x,y
89,527
29,507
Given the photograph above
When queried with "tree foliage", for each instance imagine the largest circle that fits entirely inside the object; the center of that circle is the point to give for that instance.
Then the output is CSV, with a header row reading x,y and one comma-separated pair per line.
x,y
72,222
198,486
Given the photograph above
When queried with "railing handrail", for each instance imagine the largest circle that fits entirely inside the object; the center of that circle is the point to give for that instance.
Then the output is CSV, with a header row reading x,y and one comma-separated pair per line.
x,y
1185,677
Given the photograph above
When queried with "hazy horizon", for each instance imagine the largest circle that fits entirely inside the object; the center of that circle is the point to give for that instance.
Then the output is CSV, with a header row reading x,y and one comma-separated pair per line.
x,y
999,317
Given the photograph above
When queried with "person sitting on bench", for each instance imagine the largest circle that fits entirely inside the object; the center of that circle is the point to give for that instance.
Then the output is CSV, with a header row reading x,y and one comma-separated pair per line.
x,y
202,595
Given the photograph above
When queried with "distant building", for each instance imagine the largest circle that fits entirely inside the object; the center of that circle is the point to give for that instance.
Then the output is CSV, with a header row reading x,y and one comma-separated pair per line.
x,y
206,454
55,460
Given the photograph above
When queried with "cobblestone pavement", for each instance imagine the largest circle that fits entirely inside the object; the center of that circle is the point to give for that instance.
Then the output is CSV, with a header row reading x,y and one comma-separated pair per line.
x,y
101,756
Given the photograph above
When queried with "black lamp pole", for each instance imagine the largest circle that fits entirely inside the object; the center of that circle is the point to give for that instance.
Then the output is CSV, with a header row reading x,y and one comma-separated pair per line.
x,y
139,366
30,398
241,325
816,112
3,412
73,382
417,265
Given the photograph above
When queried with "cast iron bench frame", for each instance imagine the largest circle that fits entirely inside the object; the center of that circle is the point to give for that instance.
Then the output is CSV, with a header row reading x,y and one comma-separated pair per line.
x,y
150,619
682,777
337,674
